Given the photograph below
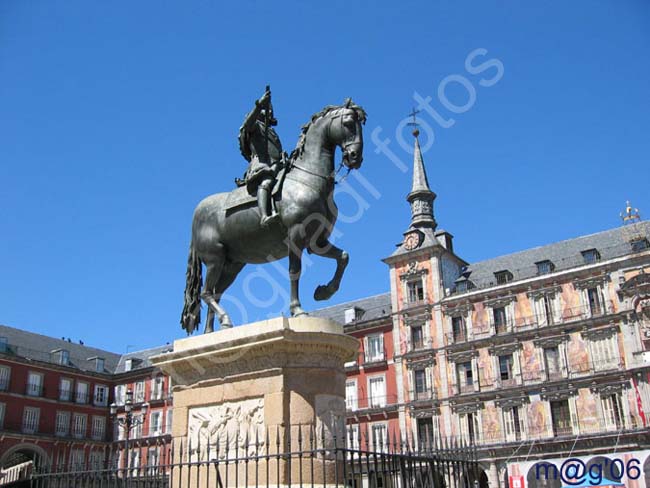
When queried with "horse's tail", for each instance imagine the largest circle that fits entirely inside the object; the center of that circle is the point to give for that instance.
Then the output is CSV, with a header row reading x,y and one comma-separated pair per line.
x,y
191,317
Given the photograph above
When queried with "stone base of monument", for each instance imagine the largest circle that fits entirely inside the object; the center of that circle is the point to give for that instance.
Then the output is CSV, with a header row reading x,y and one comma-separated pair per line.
x,y
260,404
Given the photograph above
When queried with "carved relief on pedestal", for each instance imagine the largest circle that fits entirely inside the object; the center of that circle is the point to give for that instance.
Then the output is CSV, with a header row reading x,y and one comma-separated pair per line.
x,y
330,420
225,428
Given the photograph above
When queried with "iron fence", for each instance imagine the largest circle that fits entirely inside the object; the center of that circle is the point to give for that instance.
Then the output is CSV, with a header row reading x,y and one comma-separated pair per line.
x,y
301,456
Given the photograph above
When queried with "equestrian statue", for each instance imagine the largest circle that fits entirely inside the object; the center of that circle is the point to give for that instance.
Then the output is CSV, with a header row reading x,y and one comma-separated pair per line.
x,y
283,206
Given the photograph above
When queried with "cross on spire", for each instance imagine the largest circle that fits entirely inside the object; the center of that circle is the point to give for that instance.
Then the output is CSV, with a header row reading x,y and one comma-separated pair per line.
x,y
414,124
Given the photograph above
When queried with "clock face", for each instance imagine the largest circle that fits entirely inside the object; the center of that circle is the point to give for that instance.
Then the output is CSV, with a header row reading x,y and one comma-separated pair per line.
x,y
412,240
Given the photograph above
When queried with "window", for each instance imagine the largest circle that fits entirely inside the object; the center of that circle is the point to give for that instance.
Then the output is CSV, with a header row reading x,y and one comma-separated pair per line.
x,y
4,346
604,355
379,437
590,256
155,423
3,408
377,389
465,376
98,428
65,389
152,460
595,301
77,459
96,460
100,364
420,383
639,245
612,411
352,314
458,329
120,394
139,392
505,367
79,421
552,363
544,310
62,426
513,424
503,277
168,427
157,388
374,348
128,365
463,286
81,395
30,420
415,291
5,377
500,320
469,426
137,426
352,437
351,397
63,357
417,337
134,463
544,267
425,433
101,395
561,418
34,384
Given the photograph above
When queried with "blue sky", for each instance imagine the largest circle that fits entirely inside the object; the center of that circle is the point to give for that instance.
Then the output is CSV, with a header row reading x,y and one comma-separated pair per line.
x,y
117,118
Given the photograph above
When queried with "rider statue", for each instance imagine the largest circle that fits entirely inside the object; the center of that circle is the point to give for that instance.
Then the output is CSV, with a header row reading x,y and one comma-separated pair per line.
x,y
261,147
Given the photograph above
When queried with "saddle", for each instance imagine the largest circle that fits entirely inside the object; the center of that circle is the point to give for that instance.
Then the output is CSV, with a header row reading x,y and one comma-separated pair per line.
x,y
240,198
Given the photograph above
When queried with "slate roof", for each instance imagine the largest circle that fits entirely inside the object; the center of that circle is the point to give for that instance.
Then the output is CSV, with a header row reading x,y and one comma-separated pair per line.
x,y
141,359
564,254
373,308
39,347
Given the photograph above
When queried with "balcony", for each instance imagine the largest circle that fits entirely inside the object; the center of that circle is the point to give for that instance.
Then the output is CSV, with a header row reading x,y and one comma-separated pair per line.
x,y
81,397
376,360
373,403
34,389
65,395
422,396
464,389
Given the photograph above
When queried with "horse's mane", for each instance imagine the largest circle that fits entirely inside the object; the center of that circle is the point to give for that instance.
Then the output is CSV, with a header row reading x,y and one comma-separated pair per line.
x,y
300,146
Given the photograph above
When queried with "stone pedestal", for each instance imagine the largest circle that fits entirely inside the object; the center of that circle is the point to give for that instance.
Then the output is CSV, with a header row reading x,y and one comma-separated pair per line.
x,y
259,391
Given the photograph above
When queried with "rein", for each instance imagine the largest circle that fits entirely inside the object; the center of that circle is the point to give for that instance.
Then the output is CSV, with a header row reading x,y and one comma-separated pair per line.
x,y
325,177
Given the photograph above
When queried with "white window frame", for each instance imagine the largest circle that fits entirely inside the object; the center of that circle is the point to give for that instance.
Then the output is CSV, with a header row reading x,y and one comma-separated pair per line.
x,y
120,394
100,397
98,428
35,388
79,425
374,356
31,419
157,384
352,434
139,392
80,396
464,423
77,458
604,352
62,423
137,426
352,402
382,426
509,423
169,416
66,394
156,423
607,405
541,315
376,401
5,377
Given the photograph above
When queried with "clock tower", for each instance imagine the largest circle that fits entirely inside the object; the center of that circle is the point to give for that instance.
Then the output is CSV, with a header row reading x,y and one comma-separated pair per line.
x,y
421,268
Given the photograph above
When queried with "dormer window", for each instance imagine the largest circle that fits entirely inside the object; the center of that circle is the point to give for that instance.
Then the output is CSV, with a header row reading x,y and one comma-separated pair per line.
x,y
62,356
545,267
590,256
99,365
640,244
128,365
353,314
503,277
463,286
4,344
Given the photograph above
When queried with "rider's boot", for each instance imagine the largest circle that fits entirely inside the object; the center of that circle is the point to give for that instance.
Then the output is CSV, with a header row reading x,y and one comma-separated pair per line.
x,y
264,204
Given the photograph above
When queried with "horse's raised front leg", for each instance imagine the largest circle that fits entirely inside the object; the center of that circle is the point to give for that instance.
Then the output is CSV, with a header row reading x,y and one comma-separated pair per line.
x,y
328,250
296,246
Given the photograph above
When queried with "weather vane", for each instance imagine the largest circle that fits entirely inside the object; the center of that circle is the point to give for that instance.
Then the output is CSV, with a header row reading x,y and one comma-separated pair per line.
x,y
631,214
414,124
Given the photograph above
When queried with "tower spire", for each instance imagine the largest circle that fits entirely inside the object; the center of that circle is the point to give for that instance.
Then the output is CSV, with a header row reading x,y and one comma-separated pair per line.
x,y
421,197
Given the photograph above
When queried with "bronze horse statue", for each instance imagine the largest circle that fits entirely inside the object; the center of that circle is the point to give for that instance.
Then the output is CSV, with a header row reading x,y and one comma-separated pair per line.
x,y
226,238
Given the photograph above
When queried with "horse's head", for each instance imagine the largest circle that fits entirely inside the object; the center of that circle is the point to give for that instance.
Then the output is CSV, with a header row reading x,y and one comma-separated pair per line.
x,y
345,130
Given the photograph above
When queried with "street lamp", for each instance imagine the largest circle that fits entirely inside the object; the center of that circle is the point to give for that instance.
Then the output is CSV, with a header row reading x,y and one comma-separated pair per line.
x,y
128,422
